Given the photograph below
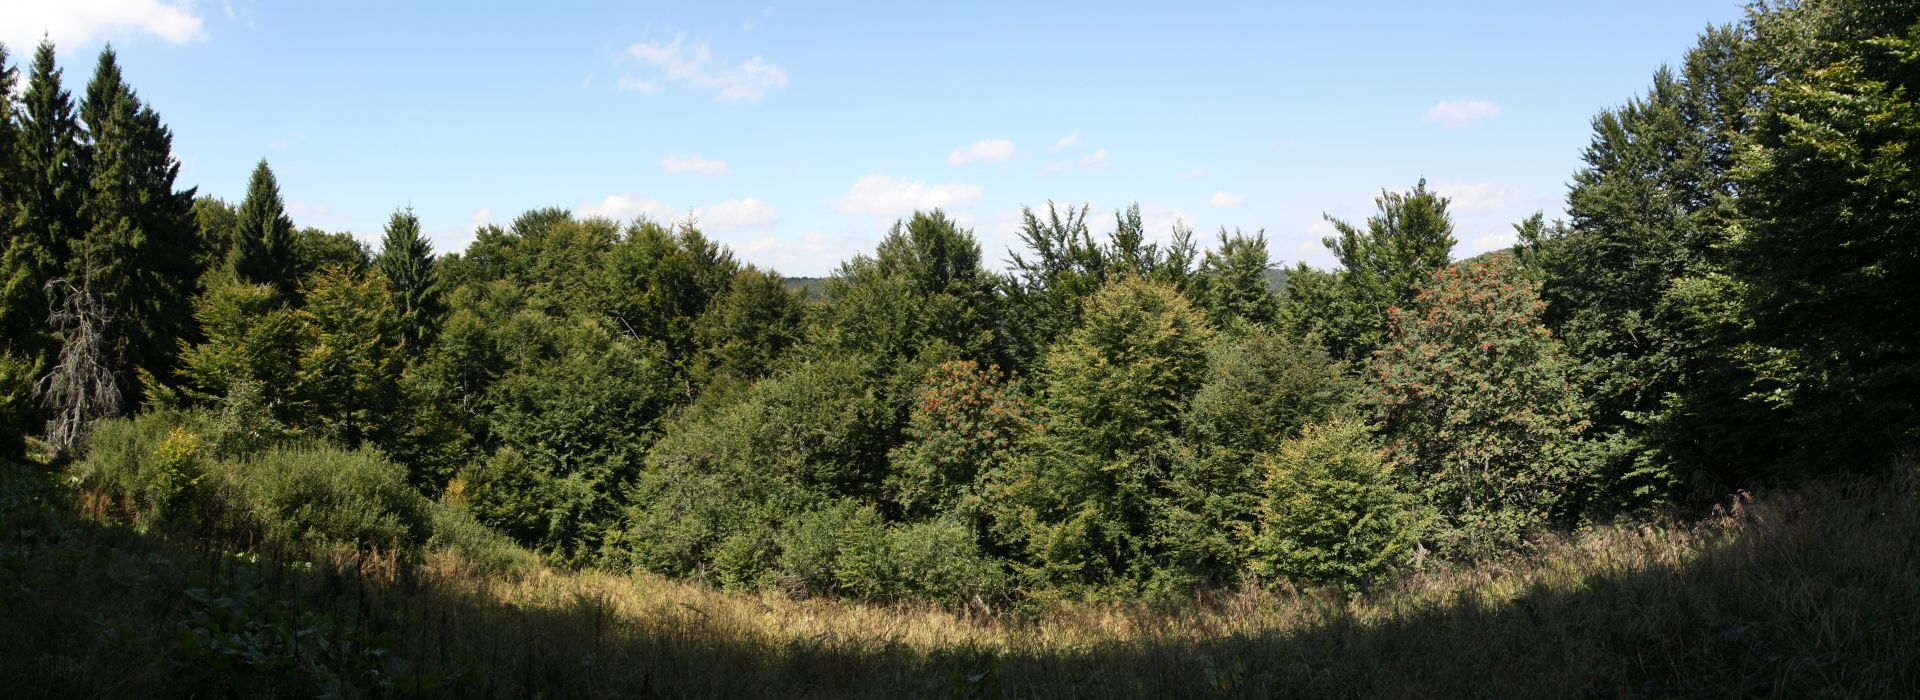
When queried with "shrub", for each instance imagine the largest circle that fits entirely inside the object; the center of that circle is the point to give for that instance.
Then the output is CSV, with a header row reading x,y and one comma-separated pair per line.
x,y
1331,511
323,495
845,548
457,532
156,463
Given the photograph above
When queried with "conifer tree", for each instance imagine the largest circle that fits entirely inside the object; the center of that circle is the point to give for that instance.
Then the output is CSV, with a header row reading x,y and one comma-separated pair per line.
x,y
406,258
46,204
262,250
140,235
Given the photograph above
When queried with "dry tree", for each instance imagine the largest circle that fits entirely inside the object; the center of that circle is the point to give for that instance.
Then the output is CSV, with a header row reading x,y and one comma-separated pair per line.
x,y
83,386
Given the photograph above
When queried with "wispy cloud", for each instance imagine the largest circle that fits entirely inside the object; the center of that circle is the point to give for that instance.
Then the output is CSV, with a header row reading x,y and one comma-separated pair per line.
x,y
981,151
1477,197
80,21
889,195
1096,160
737,213
1224,200
694,164
623,207
1459,113
693,65
1193,173
629,83
1066,142
305,211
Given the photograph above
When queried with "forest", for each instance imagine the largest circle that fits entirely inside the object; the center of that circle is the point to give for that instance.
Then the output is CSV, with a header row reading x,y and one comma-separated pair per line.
x,y
1134,417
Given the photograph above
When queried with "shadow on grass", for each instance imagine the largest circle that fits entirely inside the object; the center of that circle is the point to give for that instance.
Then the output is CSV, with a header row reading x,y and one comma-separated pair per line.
x,y
1811,593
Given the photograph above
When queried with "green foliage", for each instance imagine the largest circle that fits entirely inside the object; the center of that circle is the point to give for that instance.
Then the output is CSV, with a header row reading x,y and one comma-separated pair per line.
x,y
263,242
251,336
347,383
47,189
1232,281
456,531
922,293
158,462
1081,502
1475,401
1827,257
1331,510
964,423
1651,216
141,240
749,328
1380,268
320,495
19,408
1045,293
1261,388
406,260
813,433
846,549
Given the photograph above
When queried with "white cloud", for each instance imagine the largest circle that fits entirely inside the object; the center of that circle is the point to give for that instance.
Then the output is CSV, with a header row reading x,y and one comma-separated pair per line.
x,y
631,84
1477,197
1459,113
481,218
1096,160
693,65
737,213
982,150
1222,199
694,164
1193,173
80,21
1494,241
883,194
303,211
1066,142
623,207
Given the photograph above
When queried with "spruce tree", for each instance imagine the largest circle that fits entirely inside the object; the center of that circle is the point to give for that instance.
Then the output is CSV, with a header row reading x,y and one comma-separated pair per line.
x,y
406,258
46,205
262,250
1232,283
141,233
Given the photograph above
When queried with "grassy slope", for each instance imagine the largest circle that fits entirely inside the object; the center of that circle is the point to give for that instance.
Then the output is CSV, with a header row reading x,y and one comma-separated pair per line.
x,y
1811,592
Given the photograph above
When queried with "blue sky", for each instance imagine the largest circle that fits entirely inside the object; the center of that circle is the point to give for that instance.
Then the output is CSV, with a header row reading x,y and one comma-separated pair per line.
x,y
797,133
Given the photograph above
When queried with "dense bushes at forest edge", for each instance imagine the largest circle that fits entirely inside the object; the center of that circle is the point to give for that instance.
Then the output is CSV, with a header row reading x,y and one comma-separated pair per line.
x,y
1109,416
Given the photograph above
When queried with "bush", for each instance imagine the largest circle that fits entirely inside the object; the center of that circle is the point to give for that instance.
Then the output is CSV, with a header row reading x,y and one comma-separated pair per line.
x,y
1331,512
317,495
845,548
156,463
456,531
964,421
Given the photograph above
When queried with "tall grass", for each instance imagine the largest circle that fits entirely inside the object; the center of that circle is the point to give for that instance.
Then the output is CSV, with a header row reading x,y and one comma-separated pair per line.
x,y
1809,592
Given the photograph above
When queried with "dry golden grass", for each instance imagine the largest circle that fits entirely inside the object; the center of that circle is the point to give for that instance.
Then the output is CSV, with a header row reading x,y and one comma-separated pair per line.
x,y
1810,592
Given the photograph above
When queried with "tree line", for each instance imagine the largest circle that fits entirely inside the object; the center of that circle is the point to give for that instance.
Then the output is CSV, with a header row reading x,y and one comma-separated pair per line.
x,y
1730,302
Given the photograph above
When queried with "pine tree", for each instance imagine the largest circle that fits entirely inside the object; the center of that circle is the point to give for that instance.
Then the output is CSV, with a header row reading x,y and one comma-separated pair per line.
x,y
406,258
46,206
262,250
141,234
